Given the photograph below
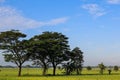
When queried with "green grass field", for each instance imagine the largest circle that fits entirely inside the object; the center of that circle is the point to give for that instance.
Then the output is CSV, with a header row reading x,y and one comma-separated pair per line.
x,y
35,74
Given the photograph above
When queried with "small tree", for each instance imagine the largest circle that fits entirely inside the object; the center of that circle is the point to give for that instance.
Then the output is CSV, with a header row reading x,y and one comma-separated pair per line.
x,y
1,66
69,68
102,67
109,71
89,68
77,59
116,68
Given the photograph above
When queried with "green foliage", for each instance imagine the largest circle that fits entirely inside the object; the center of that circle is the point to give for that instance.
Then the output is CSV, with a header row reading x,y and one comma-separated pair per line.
x,y
77,59
116,68
8,57
102,68
74,63
39,53
89,68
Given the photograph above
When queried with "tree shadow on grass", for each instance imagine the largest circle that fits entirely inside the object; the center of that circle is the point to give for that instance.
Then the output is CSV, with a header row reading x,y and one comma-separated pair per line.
x,y
47,75
50,75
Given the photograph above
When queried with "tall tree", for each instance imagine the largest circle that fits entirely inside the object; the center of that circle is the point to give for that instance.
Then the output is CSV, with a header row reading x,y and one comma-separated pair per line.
x,y
59,47
14,48
54,47
39,52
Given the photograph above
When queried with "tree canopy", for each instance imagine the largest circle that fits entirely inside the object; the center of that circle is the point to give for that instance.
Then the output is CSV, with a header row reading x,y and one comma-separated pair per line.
x,y
14,48
51,47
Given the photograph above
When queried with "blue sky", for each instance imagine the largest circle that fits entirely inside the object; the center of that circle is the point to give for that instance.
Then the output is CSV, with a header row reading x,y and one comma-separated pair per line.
x,y
92,25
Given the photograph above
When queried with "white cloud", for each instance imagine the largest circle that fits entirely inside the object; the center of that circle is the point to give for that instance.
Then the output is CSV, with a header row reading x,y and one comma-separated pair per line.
x,y
56,21
94,9
10,18
113,1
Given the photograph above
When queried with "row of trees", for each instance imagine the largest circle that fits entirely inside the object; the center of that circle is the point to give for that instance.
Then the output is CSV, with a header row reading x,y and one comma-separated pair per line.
x,y
46,49
102,68
115,68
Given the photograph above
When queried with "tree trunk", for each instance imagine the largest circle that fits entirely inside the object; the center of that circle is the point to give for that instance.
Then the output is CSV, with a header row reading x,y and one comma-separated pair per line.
x,y
67,71
54,70
44,70
101,71
19,72
77,71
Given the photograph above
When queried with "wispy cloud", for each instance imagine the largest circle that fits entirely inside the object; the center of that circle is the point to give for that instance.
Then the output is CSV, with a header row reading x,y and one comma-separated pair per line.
x,y
56,21
113,1
94,9
10,18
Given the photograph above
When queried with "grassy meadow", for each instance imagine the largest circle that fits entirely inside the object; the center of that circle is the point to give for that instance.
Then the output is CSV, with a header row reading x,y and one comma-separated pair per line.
x,y
35,74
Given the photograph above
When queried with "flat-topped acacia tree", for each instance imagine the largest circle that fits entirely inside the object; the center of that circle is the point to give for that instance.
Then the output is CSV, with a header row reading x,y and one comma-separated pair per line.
x,y
50,47
14,48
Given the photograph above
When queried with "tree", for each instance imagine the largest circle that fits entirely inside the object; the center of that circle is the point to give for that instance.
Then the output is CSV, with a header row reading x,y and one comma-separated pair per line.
x,y
40,54
14,47
109,71
52,48
77,59
1,66
68,65
69,68
102,67
116,68
89,68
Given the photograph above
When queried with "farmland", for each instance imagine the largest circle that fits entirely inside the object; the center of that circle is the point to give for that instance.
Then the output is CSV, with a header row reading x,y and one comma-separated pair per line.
x,y
35,74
